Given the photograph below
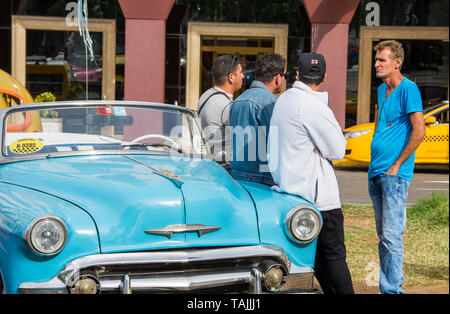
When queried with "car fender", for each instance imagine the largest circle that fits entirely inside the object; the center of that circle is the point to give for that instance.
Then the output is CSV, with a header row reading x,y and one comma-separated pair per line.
x,y
18,207
272,208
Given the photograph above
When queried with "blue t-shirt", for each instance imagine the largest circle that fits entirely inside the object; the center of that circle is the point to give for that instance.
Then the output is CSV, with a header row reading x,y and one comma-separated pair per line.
x,y
394,128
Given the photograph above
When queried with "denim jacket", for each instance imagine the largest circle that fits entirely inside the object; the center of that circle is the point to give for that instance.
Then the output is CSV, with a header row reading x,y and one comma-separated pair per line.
x,y
250,117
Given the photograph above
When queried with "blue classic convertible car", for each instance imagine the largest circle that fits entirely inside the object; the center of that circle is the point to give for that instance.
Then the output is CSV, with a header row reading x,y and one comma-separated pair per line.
x,y
120,197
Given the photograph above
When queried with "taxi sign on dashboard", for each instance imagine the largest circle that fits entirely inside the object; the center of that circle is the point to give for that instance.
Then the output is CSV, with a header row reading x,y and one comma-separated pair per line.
x,y
26,146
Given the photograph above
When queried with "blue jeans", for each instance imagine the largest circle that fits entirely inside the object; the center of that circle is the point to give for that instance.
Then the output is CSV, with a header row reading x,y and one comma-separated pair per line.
x,y
388,194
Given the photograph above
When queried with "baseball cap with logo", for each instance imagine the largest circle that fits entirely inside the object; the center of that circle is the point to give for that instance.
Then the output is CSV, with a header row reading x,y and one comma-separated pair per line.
x,y
312,65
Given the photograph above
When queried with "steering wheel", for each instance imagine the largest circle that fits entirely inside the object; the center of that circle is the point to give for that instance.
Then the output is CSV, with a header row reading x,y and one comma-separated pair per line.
x,y
143,137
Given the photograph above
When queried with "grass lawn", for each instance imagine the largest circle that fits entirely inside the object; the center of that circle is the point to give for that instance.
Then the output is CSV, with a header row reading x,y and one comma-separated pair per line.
x,y
426,243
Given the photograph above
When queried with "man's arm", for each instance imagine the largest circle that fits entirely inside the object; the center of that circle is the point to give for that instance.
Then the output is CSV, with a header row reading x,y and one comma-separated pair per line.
x,y
325,132
417,135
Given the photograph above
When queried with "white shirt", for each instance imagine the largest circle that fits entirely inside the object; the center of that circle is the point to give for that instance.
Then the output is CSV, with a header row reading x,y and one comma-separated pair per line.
x,y
304,137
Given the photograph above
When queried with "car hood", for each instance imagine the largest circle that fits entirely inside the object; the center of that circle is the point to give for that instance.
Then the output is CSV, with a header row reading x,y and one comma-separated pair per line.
x,y
359,127
126,198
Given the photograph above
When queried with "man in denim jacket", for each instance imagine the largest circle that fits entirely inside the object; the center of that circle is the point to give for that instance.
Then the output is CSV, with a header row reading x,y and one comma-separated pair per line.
x,y
250,117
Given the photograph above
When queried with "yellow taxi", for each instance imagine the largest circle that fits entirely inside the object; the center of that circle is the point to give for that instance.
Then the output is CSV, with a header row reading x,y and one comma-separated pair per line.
x,y
13,93
434,148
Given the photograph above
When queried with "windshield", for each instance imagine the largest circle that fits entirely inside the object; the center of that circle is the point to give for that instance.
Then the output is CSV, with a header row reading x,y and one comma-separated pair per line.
x,y
100,128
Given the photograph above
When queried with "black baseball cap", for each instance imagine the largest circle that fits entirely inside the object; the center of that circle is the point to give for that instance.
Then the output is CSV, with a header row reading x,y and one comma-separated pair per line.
x,y
311,65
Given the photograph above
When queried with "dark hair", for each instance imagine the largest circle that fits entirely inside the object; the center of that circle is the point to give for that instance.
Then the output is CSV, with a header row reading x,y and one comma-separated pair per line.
x,y
312,81
222,66
269,65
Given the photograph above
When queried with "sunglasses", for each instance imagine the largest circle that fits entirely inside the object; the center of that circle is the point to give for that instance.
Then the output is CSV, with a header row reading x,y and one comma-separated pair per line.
x,y
286,74
230,69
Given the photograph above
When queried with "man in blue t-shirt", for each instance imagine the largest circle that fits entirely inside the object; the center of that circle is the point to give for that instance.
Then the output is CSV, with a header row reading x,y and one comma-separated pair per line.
x,y
399,130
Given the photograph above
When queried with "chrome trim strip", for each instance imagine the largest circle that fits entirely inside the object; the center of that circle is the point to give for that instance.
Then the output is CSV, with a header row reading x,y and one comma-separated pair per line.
x,y
182,282
174,257
52,286
11,159
294,269
169,230
96,103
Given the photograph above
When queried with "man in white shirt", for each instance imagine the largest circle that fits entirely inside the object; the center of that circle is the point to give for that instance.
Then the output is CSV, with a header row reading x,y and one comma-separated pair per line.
x,y
214,107
304,138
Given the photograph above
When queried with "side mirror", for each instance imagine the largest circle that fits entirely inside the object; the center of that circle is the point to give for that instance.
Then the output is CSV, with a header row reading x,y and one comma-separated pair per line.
x,y
430,120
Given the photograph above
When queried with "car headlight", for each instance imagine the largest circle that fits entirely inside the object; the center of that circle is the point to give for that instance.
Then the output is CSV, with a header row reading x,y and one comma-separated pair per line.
x,y
355,134
303,224
46,235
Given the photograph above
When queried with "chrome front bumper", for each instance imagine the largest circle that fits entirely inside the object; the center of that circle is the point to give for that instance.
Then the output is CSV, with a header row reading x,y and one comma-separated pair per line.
x,y
229,269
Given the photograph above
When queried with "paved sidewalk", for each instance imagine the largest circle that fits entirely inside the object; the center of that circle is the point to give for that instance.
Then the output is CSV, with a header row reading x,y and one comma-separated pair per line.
x,y
353,184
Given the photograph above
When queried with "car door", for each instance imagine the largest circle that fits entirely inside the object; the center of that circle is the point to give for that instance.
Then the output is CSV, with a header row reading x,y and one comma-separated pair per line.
x,y
435,146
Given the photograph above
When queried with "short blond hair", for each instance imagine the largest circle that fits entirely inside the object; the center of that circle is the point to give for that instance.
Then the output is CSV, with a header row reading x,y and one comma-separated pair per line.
x,y
395,47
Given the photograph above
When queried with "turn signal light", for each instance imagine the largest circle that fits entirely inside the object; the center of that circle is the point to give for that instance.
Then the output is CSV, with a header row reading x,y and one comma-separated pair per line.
x,y
86,285
274,275
274,278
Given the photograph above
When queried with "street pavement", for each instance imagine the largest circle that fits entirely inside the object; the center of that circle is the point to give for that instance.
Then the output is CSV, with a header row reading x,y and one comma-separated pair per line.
x,y
353,184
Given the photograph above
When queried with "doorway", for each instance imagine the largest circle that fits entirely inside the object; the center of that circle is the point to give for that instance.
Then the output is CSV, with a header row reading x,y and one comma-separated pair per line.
x,y
207,41
56,71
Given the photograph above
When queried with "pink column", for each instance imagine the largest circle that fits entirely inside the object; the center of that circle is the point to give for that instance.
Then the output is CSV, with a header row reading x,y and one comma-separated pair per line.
x,y
329,36
145,55
145,48
145,58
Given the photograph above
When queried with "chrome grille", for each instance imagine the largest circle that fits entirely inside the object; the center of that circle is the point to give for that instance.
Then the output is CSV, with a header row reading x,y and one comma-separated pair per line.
x,y
216,273
211,270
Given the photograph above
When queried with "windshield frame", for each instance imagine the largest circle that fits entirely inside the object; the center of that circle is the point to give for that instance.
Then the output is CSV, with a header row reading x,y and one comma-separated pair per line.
x,y
434,107
4,158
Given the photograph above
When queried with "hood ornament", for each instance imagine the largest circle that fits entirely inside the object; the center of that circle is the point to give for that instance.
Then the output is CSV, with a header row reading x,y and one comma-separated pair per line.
x,y
171,176
162,172
169,230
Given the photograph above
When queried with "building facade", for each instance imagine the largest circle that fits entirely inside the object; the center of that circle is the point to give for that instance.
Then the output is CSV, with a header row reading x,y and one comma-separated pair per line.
x,y
147,56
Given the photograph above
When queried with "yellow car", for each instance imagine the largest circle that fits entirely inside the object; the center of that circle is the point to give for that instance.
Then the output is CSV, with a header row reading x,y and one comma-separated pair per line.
x,y
50,77
433,149
13,93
